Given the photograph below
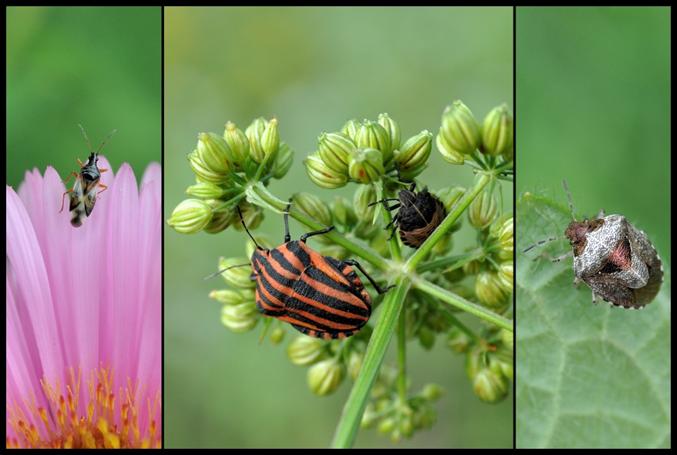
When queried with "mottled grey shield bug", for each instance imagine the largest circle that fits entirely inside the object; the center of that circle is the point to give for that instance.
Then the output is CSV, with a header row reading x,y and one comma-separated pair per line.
x,y
614,258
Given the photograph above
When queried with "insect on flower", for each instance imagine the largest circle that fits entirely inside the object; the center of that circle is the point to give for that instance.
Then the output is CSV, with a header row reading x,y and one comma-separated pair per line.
x,y
418,216
614,258
86,188
319,296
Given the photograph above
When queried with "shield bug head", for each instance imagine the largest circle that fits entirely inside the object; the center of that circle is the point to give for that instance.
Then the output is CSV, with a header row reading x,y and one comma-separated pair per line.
x,y
319,296
418,216
87,183
614,258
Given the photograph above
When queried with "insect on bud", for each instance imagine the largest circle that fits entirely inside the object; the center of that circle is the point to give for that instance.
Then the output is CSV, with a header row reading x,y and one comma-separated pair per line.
x,y
364,195
214,151
205,190
190,216
374,136
413,156
497,134
252,214
312,206
325,377
270,139
321,175
483,210
335,150
238,143
237,277
203,172
240,318
305,350
489,289
459,134
350,128
392,128
283,161
366,165
254,133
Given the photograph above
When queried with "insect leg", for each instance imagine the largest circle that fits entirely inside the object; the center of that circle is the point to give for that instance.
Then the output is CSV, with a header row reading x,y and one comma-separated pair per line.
x,y
287,236
105,187
80,163
378,288
384,201
63,199
102,170
305,237
72,174
571,203
239,212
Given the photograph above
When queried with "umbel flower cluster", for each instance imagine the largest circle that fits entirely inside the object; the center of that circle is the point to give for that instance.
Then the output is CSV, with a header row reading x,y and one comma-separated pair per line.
x,y
433,288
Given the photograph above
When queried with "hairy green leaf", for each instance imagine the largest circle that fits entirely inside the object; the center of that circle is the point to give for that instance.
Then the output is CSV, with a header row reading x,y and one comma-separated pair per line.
x,y
588,375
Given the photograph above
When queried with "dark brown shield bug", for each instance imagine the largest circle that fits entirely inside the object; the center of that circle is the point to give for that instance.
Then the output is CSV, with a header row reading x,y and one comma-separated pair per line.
x,y
418,216
614,258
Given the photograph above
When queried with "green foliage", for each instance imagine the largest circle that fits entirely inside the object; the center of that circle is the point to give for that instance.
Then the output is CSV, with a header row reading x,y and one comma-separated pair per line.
x,y
589,375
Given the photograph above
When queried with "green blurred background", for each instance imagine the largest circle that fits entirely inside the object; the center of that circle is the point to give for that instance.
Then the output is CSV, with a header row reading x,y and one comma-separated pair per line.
x,y
313,68
100,67
593,106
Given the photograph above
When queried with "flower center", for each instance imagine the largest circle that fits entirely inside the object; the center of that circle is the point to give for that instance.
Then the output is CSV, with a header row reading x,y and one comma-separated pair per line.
x,y
105,421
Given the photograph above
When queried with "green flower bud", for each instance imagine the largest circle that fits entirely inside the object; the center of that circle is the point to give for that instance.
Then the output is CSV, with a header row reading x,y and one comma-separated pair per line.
x,y
240,318
325,377
238,143
425,418
406,427
457,340
283,161
489,386
502,232
472,267
304,350
321,175
387,425
270,139
237,277
414,154
252,215
501,367
507,338
254,133
350,128
497,131
483,210
343,213
190,216
460,131
392,128
203,172
489,290
505,276
374,136
227,296
277,335
214,151
354,364
454,275
369,417
312,206
432,392
205,190
262,240
448,153
426,337
335,150
366,165
222,218
364,195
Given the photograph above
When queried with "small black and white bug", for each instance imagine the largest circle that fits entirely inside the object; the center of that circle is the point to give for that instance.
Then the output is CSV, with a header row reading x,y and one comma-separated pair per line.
x,y
87,184
614,258
418,216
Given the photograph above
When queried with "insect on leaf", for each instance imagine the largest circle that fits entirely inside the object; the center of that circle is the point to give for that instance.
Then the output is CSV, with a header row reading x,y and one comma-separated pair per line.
x,y
587,375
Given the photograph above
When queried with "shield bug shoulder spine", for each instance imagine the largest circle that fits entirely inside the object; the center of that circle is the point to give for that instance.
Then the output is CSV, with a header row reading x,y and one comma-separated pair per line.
x,y
614,258
87,183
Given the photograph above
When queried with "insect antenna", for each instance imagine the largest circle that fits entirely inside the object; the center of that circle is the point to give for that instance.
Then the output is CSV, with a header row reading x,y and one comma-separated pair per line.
x,y
105,140
571,202
208,277
239,212
539,243
84,134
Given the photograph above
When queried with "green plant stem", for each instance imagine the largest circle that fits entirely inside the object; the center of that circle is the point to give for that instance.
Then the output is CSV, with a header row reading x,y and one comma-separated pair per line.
x,y
448,222
461,303
361,251
453,262
346,431
402,357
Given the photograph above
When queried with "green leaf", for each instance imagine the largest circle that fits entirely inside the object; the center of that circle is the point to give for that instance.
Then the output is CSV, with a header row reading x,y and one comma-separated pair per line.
x,y
588,375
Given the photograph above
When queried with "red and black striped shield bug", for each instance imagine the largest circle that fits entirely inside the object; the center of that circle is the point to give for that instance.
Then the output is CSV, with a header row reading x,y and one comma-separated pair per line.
x,y
614,258
418,216
87,183
319,296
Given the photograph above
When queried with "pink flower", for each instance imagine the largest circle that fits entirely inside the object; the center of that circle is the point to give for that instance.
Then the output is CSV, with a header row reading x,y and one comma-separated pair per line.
x,y
84,345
